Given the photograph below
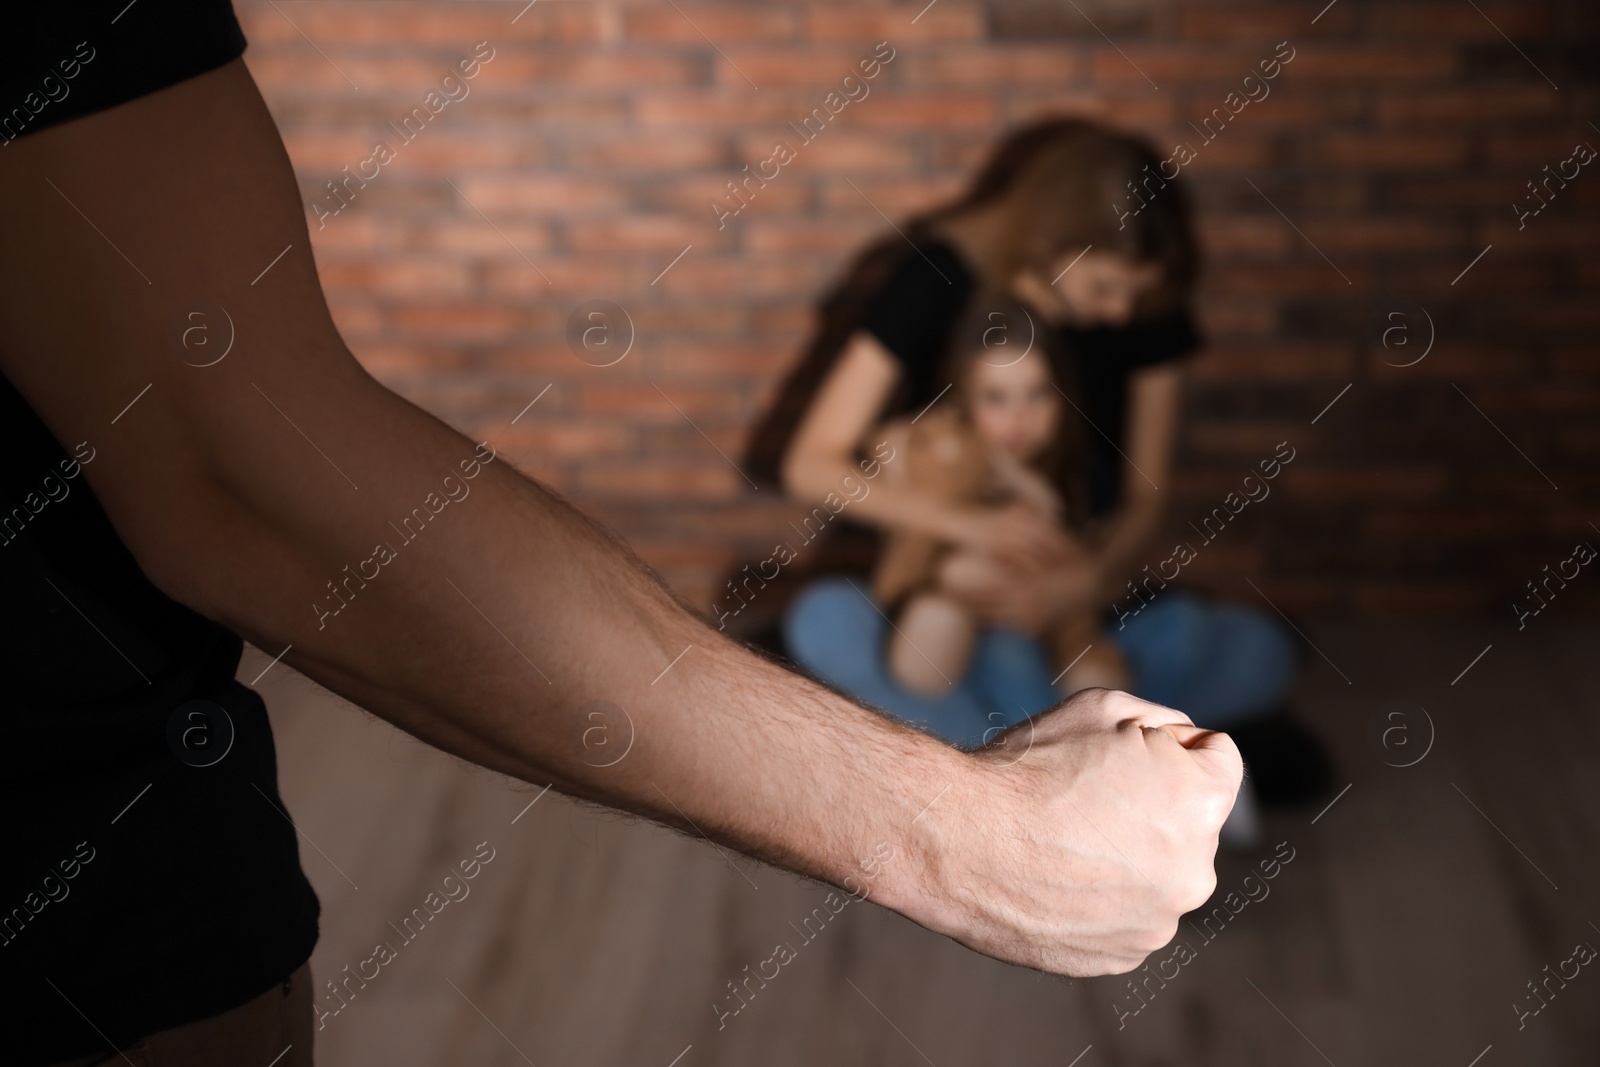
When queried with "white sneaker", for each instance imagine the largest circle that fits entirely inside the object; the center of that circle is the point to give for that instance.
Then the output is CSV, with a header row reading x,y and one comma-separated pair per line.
x,y
1242,829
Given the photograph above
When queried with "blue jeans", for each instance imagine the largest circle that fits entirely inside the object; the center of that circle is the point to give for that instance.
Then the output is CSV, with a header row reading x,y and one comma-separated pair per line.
x,y
1218,663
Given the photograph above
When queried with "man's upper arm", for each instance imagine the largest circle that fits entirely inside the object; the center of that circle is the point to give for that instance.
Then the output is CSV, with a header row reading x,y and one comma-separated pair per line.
x,y
162,305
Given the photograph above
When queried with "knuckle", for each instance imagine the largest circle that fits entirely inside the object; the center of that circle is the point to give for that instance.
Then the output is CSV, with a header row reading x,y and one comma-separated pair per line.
x,y
1157,937
1194,890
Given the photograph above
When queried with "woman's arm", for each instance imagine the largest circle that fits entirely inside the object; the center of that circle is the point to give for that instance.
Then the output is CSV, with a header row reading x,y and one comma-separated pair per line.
x,y
1151,440
837,424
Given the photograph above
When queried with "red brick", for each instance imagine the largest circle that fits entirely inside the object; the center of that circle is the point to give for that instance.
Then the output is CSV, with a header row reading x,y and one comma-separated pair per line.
x,y
1253,25
730,362
1449,360
694,23
542,194
356,320
1440,525
630,69
461,321
1222,318
1415,599
471,236
901,23
1176,65
1466,106
1458,190
646,479
1530,151
1353,65
1276,361
799,236
1251,442
1277,111
986,66
454,152
394,277
1124,107
673,403
347,233
723,108
1289,279
939,112
566,439
1478,21
835,150
1255,236
1371,152
896,198
509,110
1230,150
386,361
1369,484
625,151
597,135
515,280
820,68
1379,234
654,233
1583,359
1553,228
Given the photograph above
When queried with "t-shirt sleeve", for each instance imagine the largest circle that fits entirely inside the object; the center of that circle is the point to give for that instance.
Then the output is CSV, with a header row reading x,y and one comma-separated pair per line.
x,y
916,308
1160,339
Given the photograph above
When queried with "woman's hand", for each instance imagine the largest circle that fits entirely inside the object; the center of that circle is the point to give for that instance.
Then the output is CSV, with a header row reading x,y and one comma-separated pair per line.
x,y
1017,536
1027,599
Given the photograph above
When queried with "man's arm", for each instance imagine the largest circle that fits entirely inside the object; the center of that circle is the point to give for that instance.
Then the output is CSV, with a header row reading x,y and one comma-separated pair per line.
x,y
262,491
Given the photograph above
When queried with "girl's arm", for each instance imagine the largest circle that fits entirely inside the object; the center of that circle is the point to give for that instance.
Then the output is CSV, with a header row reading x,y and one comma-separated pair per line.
x,y
840,418
1029,601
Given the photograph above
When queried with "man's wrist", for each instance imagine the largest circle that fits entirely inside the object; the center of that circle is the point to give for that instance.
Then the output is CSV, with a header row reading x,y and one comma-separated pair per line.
x,y
929,842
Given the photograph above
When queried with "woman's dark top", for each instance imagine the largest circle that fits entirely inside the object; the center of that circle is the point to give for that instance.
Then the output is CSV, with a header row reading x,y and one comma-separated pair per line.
x,y
140,888
917,307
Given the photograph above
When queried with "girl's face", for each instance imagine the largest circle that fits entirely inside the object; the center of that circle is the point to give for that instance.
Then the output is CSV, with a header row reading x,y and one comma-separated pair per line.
x,y
1014,405
1089,289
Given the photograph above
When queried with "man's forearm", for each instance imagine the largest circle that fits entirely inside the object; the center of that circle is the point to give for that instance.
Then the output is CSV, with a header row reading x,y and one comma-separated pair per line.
x,y
513,632
277,490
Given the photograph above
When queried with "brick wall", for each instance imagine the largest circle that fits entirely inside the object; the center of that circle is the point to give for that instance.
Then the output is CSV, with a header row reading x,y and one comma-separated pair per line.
x,y
581,162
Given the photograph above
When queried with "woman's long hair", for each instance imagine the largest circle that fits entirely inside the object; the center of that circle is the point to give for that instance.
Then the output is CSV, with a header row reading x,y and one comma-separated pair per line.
x,y
1074,181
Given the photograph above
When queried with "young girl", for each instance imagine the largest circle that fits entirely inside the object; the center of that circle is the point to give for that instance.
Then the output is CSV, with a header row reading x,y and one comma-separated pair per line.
x,y
995,437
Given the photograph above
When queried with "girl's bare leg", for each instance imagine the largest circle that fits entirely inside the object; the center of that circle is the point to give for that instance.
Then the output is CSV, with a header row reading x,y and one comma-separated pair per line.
x,y
1086,657
932,643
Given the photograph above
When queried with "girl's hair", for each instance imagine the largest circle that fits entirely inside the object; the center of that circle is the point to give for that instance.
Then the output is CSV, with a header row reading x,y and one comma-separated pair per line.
x,y
994,328
1073,181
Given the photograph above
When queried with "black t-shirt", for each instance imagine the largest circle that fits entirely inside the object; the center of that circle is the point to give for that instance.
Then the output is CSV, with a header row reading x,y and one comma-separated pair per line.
x,y
919,305
138,890
62,60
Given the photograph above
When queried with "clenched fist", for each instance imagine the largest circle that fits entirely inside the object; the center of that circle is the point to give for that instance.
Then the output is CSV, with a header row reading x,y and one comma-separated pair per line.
x,y
1081,837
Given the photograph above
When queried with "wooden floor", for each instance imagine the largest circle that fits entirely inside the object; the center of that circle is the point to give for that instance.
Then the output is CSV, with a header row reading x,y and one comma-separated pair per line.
x,y
1414,912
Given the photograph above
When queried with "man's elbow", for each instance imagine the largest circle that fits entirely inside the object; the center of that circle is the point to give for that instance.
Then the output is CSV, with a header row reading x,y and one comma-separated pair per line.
x,y
200,548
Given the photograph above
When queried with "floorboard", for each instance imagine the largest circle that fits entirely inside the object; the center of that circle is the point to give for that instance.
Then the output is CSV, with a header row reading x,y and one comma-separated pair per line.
x,y
1416,909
